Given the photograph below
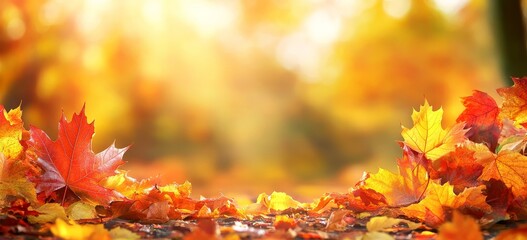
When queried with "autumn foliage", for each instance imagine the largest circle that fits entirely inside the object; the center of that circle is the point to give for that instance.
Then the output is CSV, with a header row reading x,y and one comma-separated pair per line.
x,y
461,178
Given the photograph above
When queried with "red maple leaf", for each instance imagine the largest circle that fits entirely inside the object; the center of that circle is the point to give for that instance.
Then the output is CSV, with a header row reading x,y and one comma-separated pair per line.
x,y
459,168
70,165
481,117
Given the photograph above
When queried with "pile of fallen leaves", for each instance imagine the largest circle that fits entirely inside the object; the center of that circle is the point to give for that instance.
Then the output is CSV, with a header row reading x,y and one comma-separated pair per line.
x,y
464,180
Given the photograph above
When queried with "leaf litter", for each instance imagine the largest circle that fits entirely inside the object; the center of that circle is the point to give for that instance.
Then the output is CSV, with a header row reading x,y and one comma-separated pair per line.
x,y
467,179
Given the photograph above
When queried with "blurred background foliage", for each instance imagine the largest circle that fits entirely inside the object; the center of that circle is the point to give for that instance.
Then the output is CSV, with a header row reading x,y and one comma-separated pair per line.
x,y
246,95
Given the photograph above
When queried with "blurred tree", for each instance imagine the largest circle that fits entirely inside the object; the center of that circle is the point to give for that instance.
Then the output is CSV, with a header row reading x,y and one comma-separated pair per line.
x,y
509,30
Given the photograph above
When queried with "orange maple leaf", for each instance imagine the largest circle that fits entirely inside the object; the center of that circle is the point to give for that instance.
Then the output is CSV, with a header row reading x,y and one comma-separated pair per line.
x,y
427,136
515,104
70,164
481,118
439,199
460,228
207,229
517,233
284,222
509,167
153,207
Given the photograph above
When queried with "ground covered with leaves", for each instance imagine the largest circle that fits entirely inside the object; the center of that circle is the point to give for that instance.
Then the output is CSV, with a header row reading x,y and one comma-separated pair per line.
x,y
464,181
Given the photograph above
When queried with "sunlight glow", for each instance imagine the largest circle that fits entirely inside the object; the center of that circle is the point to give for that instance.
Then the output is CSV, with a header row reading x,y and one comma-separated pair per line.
x,y
450,6
153,12
397,8
296,53
210,17
323,27
15,28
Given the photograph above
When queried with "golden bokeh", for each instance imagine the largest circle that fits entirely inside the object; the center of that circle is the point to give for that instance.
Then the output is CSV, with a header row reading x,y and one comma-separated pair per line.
x,y
246,96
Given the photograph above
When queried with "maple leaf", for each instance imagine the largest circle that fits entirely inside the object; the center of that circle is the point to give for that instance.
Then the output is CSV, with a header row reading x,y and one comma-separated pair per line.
x,y
277,201
500,198
401,189
461,227
13,182
220,206
459,168
517,233
70,164
49,212
515,105
19,208
383,223
126,185
509,167
284,222
13,140
152,207
427,136
513,138
206,229
12,132
339,220
15,215
72,230
81,210
123,233
362,199
440,199
481,118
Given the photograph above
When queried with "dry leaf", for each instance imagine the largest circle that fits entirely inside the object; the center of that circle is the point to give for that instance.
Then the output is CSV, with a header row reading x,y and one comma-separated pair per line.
x,y
277,201
461,227
515,101
73,231
81,210
427,136
49,212
383,223
70,164
284,222
399,189
481,118
509,167
120,233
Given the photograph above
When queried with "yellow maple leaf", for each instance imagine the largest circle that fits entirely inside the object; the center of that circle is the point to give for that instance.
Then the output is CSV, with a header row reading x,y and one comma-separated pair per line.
x,y
81,210
120,233
74,231
11,133
49,212
277,201
383,223
13,182
180,190
399,189
427,136
126,185
508,166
